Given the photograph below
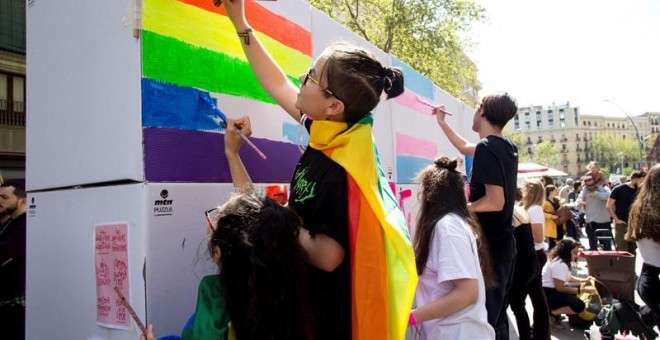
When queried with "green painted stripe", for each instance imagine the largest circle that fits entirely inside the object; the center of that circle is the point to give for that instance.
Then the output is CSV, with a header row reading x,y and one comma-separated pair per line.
x,y
175,62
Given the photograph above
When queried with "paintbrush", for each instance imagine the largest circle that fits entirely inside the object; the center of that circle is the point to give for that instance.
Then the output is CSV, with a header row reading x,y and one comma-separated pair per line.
x,y
424,102
207,99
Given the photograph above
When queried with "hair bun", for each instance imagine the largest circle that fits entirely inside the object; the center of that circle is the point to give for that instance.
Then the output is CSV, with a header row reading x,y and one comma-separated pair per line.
x,y
392,81
445,163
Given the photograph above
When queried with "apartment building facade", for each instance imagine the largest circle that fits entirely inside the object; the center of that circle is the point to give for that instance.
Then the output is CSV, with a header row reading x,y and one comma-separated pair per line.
x,y
571,133
12,89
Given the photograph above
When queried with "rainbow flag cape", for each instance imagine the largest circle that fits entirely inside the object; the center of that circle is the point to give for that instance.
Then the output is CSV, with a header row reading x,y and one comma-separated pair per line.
x,y
383,273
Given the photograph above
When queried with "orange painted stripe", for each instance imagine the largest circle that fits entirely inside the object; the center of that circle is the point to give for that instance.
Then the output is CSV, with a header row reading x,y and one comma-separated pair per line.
x,y
267,22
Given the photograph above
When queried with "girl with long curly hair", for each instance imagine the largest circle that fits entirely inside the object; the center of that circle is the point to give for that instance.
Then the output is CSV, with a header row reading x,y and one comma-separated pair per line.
x,y
562,299
644,229
452,259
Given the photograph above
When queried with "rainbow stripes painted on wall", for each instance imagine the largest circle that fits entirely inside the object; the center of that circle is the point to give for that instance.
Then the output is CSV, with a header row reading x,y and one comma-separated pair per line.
x,y
189,47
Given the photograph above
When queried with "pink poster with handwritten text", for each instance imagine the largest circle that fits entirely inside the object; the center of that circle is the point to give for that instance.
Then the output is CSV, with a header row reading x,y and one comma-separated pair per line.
x,y
111,258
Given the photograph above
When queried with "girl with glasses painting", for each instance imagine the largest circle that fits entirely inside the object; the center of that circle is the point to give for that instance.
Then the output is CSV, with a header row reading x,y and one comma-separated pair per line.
x,y
334,103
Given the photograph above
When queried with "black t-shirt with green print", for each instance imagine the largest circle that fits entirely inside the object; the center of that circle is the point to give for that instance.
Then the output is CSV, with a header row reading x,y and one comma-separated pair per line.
x,y
319,194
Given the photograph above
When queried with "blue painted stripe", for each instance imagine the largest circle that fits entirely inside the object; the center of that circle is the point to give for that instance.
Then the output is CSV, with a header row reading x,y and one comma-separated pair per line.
x,y
292,132
407,168
414,80
468,166
171,106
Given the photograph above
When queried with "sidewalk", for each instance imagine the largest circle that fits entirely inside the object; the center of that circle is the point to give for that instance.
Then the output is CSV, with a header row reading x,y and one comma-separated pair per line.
x,y
569,333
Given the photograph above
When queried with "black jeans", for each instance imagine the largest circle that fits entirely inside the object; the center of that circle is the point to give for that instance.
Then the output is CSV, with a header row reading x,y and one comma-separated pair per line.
x,y
503,258
591,234
541,318
648,287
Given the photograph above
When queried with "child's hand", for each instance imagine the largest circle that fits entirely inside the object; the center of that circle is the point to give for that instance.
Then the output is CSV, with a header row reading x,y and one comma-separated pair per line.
x,y
233,140
235,12
149,335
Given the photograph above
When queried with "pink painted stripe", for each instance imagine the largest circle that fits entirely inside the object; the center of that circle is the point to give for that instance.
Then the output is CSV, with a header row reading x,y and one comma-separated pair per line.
x,y
413,101
407,145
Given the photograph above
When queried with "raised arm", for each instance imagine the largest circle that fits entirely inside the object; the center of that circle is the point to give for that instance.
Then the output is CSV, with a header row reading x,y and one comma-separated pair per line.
x,y
456,140
269,74
233,142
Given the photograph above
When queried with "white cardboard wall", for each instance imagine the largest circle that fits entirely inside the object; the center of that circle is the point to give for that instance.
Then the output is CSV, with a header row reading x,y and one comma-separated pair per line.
x,y
168,240
83,85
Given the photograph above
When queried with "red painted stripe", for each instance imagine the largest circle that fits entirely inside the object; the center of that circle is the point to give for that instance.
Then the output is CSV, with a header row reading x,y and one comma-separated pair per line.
x,y
267,22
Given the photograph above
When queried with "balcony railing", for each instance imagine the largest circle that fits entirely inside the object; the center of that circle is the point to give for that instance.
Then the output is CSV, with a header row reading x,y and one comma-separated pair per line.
x,y
12,113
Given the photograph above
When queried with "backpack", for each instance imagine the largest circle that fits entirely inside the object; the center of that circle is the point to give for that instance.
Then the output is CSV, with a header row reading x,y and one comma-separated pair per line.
x,y
624,316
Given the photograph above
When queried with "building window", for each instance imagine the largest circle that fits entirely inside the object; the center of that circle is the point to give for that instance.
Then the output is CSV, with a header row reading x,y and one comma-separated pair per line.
x,y
516,123
12,100
12,26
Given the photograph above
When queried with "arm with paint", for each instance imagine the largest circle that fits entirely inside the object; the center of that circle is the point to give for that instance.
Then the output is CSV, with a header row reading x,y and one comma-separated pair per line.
x,y
233,143
270,75
460,143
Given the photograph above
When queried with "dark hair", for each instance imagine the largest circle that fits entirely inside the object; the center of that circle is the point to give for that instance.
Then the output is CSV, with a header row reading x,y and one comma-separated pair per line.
x,y
519,194
358,79
644,217
577,185
499,108
563,250
548,189
548,180
638,174
262,269
443,193
17,184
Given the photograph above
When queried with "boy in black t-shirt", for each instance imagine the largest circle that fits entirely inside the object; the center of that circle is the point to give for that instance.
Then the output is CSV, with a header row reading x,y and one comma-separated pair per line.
x,y
492,193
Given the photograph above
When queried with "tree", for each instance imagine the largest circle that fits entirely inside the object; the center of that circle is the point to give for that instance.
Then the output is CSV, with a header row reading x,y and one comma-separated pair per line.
x,y
425,34
545,154
519,139
612,149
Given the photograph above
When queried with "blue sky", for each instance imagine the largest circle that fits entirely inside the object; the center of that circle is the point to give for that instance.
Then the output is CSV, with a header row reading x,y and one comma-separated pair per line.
x,y
581,51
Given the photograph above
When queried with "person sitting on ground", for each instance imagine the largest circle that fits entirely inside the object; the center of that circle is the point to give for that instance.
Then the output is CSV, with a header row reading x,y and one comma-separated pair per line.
x,y
452,259
556,274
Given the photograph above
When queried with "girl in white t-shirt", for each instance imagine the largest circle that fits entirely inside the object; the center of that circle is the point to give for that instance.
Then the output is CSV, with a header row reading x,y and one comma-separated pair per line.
x,y
562,299
450,297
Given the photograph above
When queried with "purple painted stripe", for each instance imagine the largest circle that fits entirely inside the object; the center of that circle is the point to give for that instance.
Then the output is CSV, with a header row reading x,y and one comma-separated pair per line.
x,y
173,155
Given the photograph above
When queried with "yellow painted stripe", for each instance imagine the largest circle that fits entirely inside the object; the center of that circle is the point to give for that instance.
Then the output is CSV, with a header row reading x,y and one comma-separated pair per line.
x,y
214,32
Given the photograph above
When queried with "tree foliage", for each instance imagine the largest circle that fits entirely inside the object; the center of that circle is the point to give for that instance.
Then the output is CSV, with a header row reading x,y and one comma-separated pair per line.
x,y
609,149
519,139
425,34
546,154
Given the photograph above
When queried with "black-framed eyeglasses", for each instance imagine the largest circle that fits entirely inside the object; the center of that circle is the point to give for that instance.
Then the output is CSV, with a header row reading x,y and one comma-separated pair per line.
x,y
309,76
211,216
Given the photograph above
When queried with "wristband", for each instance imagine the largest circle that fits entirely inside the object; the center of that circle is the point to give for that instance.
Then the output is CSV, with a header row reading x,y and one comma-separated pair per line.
x,y
411,319
245,35
578,290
